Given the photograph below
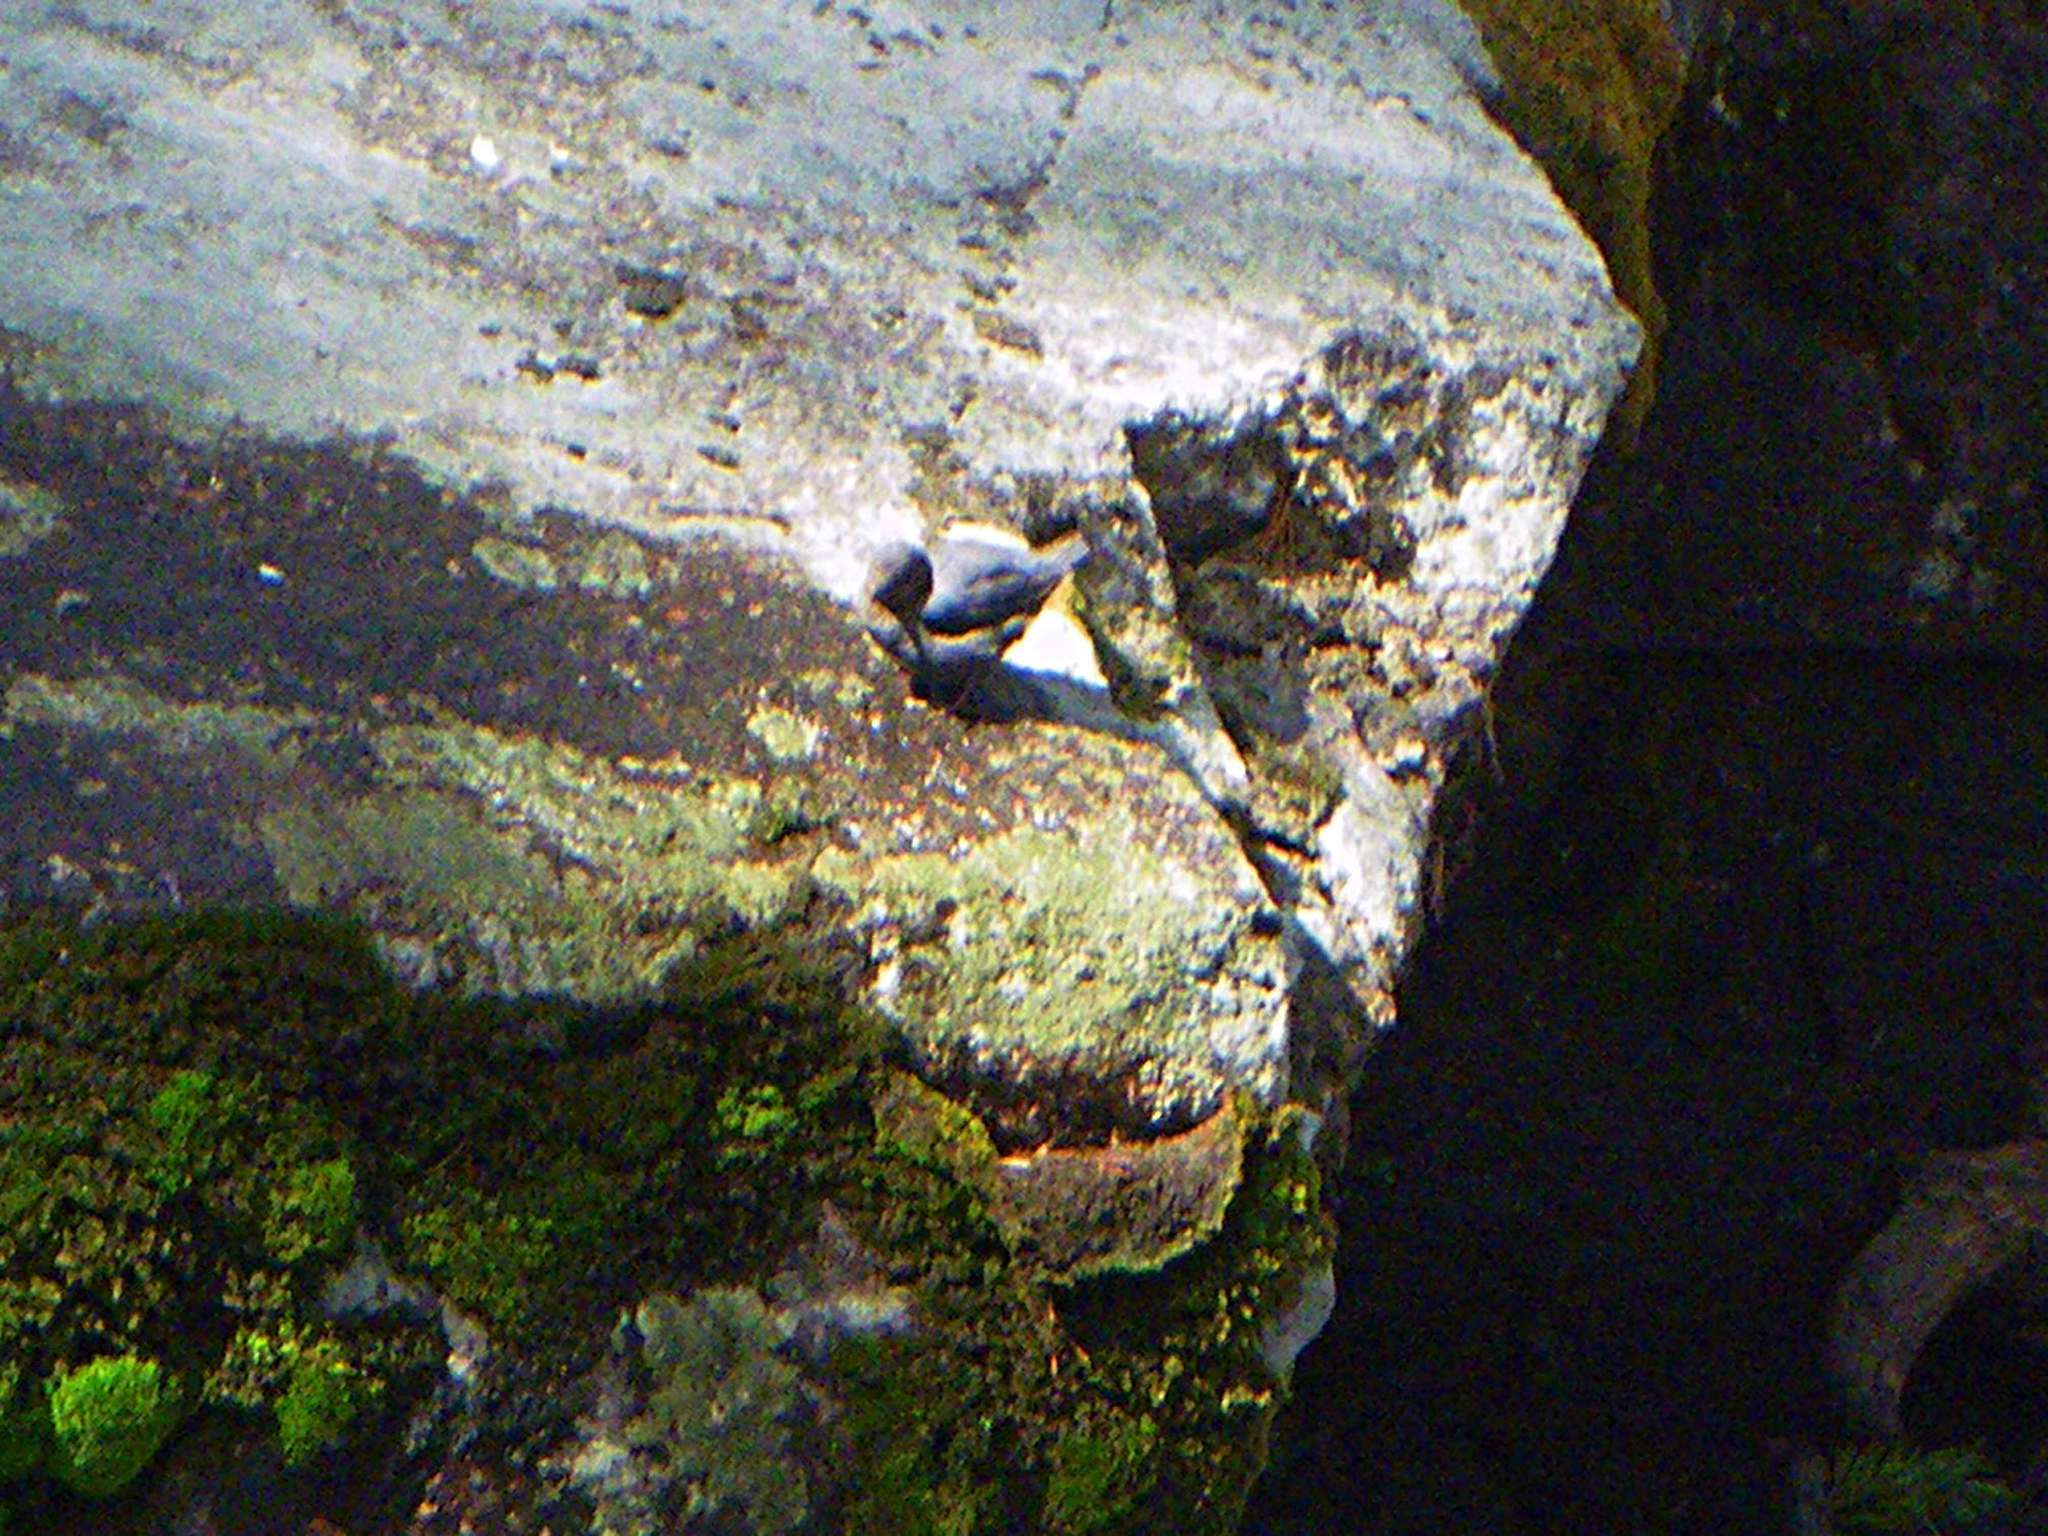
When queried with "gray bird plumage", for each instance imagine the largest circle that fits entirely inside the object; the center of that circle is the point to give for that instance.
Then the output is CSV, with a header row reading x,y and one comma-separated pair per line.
x,y
979,582
968,582
958,607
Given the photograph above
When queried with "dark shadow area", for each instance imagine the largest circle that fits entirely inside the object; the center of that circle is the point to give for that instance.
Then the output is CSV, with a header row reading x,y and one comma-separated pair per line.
x,y
1751,892
1983,1377
1655,1082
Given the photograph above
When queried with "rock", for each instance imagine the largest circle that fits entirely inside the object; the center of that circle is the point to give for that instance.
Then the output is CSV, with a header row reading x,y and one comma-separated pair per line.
x,y
514,405
1852,454
1082,1211
1964,1219
1382,372
1298,1327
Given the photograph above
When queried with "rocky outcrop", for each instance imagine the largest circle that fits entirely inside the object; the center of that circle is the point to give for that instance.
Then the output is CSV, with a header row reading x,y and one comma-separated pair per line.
x,y
1280,323
1965,1218
445,453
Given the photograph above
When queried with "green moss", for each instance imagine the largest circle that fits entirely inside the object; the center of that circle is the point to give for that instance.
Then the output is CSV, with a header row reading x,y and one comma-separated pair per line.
x,y
107,1419
188,1113
1590,86
1096,1477
314,1216
755,1123
193,1115
907,1472
323,1394
918,1126
24,1425
1137,1402
688,1141
484,1254
134,1171
1183,1346
692,1143
150,1192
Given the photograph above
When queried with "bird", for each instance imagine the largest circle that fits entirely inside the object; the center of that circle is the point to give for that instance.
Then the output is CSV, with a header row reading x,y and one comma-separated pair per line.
x,y
973,578
900,584
965,600
982,578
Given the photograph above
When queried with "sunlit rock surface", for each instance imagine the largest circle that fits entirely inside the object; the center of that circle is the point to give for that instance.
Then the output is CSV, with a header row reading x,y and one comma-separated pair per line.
x,y
443,448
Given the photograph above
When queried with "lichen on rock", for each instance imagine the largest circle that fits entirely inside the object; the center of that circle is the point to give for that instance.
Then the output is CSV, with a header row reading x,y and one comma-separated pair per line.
x,y
28,513
715,1421
1079,945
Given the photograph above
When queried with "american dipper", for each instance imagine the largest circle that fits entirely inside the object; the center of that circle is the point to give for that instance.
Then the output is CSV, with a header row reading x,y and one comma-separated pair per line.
x,y
959,607
972,580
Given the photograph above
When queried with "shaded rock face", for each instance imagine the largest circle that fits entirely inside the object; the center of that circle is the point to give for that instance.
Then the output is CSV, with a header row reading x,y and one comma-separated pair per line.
x,y
1760,888
1851,450
1263,308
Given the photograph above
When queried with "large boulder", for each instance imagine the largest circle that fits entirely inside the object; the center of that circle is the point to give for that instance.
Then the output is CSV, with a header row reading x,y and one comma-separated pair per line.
x,y
1266,310
445,453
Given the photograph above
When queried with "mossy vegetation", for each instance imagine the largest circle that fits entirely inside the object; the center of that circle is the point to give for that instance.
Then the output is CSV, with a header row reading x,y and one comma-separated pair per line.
x,y
107,1418
323,1393
1126,1402
171,1181
1894,1490
314,1214
24,1426
1096,1476
1589,86
685,1140
199,1113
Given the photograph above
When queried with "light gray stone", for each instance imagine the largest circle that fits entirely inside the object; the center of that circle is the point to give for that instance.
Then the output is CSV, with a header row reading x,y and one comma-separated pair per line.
x,y
1259,302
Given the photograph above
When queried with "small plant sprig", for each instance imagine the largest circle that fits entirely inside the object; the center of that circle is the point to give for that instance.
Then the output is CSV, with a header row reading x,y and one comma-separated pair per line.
x,y
1898,1490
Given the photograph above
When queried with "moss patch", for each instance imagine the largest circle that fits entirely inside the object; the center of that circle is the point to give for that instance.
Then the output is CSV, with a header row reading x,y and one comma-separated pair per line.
x,y
108,1418
1122,1404
170,1184
198,1111
323,1392
1589,88
195,1113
